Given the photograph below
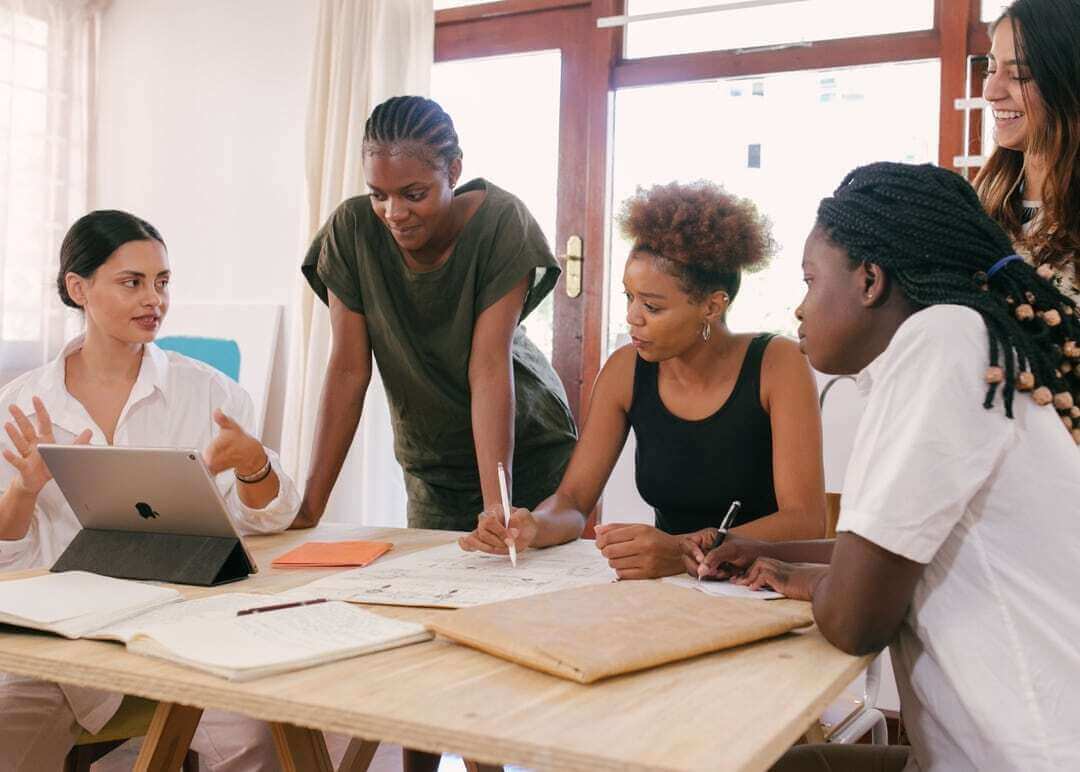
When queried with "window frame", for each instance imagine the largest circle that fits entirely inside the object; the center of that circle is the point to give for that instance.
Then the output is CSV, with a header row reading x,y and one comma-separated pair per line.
x,y
486,29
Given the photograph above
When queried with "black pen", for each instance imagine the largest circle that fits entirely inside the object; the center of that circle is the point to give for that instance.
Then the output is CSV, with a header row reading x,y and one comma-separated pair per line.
x,y
722,531
264,609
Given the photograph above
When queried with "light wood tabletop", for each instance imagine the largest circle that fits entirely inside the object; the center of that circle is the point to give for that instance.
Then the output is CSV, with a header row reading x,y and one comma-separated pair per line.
x,y
738,709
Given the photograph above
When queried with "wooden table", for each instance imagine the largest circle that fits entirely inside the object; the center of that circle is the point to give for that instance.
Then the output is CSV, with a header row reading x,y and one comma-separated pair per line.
x,y
738,710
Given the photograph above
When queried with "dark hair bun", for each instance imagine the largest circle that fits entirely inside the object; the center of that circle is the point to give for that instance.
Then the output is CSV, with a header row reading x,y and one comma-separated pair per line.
x,y
92,240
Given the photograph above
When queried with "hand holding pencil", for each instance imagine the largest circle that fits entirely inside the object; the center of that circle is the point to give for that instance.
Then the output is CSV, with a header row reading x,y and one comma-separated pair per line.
x,y
495,533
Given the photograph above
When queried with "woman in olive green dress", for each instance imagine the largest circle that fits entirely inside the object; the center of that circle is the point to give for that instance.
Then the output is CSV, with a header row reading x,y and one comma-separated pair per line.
x,y
434,280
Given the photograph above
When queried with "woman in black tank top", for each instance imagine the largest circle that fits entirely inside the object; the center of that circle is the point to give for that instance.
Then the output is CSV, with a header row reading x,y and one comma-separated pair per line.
x,y
724,457
718,416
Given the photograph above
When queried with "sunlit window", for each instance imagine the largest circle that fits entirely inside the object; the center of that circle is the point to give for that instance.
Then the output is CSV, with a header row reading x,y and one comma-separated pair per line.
x,y
991,9
24,197
779,23
442,4
506,111
783,140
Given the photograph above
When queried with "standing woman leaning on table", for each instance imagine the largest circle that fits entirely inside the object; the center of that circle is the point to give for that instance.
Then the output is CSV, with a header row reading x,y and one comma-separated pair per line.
x,y
1031,183
718,415
113,386
434,280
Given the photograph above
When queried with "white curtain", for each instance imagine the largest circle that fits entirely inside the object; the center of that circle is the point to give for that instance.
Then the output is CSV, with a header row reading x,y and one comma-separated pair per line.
x,y
47,53
365,52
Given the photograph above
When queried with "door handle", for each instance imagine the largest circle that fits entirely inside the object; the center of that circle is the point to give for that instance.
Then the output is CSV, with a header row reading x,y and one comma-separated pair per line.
x,y
574,259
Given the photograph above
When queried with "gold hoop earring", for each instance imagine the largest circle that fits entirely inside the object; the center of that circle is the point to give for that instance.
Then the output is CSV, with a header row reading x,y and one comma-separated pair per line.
x,y
706,330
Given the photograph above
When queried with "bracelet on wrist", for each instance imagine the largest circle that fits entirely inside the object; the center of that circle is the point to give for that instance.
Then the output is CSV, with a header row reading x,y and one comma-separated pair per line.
x,y
256,477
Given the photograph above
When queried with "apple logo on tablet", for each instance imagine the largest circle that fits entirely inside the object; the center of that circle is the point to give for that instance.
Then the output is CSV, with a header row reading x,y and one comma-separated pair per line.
x,y
145,510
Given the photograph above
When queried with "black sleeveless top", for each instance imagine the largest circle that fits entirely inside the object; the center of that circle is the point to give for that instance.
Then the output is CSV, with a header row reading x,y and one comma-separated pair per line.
x,y
689,472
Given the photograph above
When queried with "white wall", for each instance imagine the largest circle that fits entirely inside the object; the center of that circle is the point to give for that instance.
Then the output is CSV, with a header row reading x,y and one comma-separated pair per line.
x,y
201,111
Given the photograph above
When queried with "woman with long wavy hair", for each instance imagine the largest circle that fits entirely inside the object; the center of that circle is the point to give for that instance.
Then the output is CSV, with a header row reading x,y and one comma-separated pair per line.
x,y
1031,183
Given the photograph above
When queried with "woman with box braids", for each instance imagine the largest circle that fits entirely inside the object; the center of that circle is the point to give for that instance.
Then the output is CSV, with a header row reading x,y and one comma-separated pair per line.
x,y
926,228
949,509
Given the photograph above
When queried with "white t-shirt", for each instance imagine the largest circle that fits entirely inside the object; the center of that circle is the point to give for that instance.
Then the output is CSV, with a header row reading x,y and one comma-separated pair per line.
x,y
170,405
988,657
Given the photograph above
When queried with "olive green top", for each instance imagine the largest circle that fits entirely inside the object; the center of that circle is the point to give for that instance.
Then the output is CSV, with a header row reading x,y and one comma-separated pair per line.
x,y
421,327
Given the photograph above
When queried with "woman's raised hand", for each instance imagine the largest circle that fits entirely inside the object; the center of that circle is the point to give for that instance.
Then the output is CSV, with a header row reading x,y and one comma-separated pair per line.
x,y
25,436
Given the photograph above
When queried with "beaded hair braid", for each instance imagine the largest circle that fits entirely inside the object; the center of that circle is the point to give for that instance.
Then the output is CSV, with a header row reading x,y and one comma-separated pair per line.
x,y
925,227
413,119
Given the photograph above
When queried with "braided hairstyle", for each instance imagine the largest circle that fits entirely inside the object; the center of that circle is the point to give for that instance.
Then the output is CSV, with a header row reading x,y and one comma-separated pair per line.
x,y
925,227
412,124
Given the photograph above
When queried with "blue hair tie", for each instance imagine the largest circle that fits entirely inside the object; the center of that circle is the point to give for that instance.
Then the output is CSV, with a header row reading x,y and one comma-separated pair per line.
x,y
1001,264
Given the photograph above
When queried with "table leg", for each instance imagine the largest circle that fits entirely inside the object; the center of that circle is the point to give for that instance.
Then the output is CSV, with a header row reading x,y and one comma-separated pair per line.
x,y
168,738
476,766
300,749
358,755
815,735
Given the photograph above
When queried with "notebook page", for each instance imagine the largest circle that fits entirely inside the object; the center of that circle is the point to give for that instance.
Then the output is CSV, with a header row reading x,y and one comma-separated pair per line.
x,y
721,589
53,598
302,634
210,607
448,577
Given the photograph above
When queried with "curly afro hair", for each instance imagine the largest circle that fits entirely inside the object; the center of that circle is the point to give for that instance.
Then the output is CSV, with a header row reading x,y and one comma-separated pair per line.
x,y
704,235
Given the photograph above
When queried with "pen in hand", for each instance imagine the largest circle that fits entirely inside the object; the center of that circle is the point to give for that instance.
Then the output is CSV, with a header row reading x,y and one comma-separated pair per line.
x,y
506,513
721,533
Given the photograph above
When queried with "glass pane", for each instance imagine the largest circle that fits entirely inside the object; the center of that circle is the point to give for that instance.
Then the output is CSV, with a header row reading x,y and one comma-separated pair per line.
x,y
506,111
31,30
31,66
783,140
441,4
991,9
776,24
7,60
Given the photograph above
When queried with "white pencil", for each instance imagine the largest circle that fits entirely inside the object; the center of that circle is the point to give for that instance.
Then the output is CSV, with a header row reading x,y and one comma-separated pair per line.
x,y
506,511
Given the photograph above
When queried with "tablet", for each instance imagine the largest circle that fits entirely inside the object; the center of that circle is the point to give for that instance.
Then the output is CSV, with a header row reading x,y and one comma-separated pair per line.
x,y
141,490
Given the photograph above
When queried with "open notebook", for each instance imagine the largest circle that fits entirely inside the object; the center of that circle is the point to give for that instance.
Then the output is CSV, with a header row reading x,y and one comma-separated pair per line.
x,y
77,604
204,633
241,648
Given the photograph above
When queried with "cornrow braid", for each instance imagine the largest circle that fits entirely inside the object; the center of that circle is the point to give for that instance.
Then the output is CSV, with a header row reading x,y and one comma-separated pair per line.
x,y
413,119
926,228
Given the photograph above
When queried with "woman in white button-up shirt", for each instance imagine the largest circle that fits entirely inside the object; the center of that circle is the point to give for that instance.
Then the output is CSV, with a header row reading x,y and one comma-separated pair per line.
x,y
112,385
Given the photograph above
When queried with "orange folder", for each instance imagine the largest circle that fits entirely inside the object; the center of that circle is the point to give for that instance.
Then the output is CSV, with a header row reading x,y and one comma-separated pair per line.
x,y
332,553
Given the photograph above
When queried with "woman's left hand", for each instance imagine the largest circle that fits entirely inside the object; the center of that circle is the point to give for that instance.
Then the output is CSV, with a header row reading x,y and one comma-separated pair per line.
x,y
793,580
233,448
638,551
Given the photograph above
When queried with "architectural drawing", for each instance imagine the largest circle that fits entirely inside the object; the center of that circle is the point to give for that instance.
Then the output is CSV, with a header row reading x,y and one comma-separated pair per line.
x,y
447,577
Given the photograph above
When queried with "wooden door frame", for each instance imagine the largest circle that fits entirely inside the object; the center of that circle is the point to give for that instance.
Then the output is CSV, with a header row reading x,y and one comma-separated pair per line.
x,y
515,26
521,26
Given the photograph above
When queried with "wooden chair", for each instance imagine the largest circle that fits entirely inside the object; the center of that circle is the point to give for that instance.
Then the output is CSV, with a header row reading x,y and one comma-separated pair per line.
x,y
131,720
